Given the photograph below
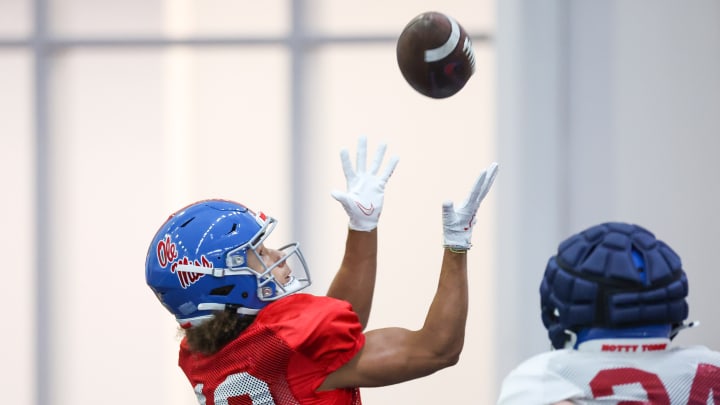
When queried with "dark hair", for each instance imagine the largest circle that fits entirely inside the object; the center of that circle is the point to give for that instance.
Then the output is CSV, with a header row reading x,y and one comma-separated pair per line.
x,y
212,335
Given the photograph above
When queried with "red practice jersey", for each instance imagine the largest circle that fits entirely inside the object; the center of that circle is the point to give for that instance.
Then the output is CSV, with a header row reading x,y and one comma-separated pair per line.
x,y
282,357
617,371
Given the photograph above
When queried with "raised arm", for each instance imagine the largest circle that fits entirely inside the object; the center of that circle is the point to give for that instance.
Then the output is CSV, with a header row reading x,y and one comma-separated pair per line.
x,y
394,355
363,201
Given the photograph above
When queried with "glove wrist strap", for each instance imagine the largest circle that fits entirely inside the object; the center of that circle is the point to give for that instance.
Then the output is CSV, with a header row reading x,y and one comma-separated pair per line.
x,y
458,249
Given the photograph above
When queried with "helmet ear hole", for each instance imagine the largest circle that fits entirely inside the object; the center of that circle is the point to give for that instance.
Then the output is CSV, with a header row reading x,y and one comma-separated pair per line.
x,y
223,291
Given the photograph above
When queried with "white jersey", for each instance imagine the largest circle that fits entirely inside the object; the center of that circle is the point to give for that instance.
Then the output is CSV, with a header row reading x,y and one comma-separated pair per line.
x,y
617,371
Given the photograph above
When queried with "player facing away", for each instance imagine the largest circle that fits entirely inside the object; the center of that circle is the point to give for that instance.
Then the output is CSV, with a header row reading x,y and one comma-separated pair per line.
x,y
612,300
252,338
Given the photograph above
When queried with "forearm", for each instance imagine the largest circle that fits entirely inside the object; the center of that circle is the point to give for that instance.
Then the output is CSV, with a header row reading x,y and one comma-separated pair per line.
x,y
355,280
444,327
394,355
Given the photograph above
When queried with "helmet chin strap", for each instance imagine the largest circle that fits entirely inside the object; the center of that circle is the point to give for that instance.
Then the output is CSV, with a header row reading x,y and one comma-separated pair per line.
x,y
291,286
247,311
208,306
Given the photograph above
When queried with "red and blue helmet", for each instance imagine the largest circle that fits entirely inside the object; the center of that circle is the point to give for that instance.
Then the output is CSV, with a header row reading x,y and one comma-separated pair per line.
x,y
613,275
197,262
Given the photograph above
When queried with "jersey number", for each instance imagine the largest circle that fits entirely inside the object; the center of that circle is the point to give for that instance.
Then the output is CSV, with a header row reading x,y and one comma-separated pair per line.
x,y
238,385
706,382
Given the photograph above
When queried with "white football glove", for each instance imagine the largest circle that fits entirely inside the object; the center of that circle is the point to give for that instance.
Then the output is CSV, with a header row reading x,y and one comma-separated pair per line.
x,y
458,223
363,200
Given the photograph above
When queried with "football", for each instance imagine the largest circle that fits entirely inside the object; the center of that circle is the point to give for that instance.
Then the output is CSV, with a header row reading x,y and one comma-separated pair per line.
x,y
435,55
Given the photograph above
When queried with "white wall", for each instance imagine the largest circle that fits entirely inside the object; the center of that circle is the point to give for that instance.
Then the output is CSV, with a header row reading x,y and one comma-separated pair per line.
x,y
137,127
607,111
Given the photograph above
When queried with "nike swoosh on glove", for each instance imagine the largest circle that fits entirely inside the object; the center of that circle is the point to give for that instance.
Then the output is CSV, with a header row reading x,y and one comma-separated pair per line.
x,y
363,200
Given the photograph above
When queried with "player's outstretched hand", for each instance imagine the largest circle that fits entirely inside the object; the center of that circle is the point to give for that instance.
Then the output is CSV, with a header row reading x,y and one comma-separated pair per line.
x,y
363,200
458,222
